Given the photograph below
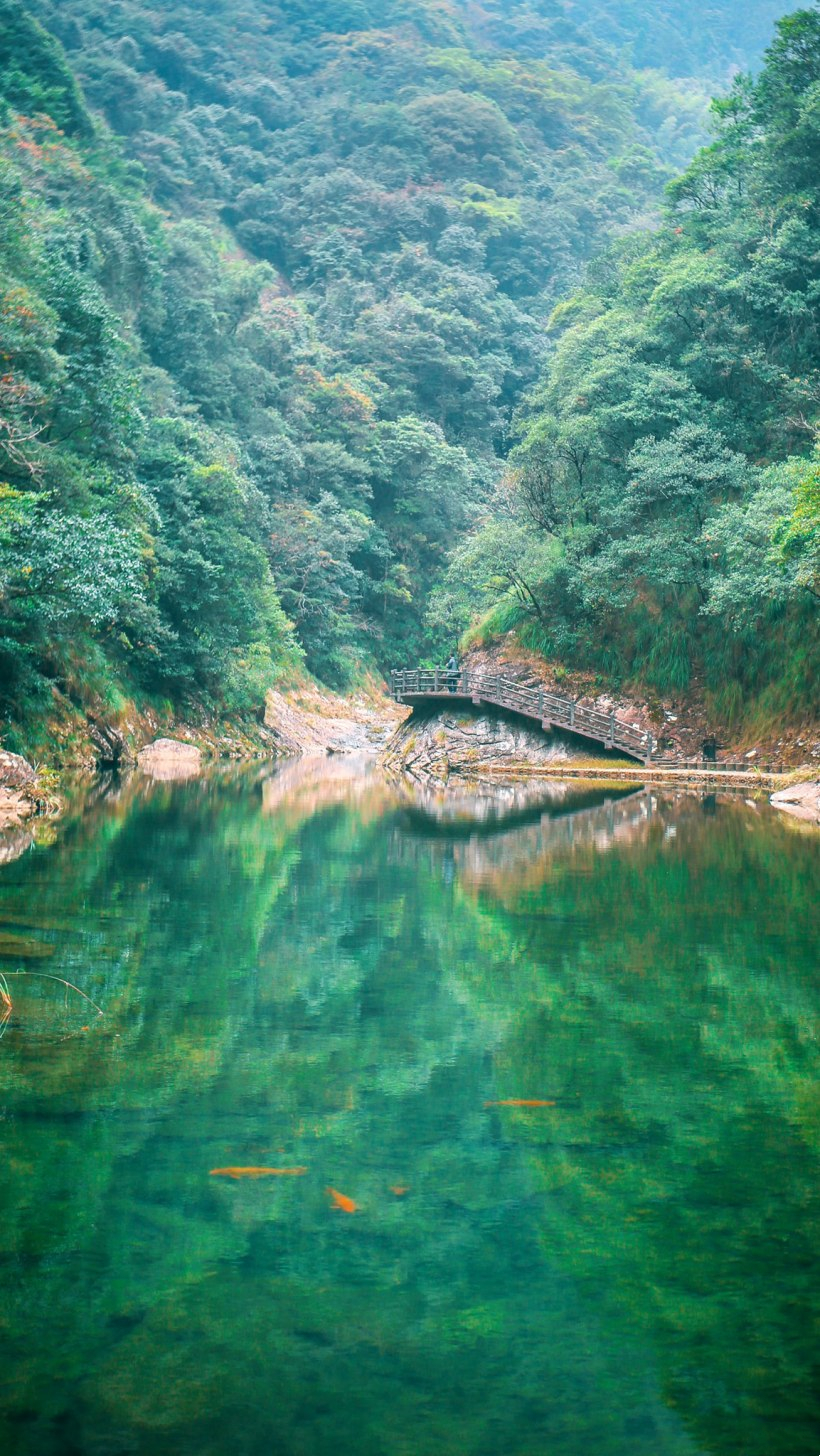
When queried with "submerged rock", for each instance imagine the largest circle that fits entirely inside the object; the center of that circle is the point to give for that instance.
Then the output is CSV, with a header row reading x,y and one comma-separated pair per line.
x,y
167,758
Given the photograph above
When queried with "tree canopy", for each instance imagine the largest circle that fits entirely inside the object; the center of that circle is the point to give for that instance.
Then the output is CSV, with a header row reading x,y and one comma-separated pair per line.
x,y
669,452
276,279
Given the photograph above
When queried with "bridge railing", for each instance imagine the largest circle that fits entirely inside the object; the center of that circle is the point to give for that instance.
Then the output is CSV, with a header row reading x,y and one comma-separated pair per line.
x,y
561,712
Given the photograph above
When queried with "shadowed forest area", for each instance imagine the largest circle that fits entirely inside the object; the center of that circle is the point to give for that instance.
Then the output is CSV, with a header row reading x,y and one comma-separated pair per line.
x,y
330,330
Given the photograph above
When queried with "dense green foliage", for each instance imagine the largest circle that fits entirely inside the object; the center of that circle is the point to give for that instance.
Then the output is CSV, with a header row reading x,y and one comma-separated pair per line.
x,y
274,281
131,540
661,519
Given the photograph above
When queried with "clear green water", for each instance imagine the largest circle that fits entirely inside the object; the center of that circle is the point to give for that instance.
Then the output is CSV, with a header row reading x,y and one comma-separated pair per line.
x,y
314,973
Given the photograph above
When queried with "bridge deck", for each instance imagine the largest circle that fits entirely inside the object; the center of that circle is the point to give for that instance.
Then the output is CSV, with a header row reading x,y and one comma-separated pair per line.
x,y
428,685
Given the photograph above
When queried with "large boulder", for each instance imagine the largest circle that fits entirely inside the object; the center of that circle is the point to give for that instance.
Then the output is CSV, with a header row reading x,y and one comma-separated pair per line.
x,y
801,800
168,759
15,772
17,791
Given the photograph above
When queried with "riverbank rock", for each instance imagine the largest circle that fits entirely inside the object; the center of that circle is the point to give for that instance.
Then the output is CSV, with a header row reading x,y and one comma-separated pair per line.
x,y
109,744
306,722
682,723
15,808
18,783
169,759
800,800
15,772
465,743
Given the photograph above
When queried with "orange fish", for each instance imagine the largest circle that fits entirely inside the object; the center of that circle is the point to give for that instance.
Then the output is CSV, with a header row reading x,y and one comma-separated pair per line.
x,y
399,1190
520,1102
257,1172
341,1200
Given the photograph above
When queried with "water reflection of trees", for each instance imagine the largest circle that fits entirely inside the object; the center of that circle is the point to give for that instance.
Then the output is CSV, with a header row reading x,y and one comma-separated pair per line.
x,y
665,996
307,985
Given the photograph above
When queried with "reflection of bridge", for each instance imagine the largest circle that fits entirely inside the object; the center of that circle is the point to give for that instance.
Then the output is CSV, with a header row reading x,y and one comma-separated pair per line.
x,y
496,809
520,857
517,854
428,685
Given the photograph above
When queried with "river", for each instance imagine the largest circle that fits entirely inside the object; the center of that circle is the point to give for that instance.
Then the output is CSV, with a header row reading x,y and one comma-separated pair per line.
x,y
548,1062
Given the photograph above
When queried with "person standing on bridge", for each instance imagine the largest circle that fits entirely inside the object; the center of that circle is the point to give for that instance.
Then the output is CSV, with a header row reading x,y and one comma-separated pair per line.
x,y
452,672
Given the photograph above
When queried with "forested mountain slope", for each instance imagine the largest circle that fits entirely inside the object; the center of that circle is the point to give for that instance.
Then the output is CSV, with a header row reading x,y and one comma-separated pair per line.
x,y
662,514
275,278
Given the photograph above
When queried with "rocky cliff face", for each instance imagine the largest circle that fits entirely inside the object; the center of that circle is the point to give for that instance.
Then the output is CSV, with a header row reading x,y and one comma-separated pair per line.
x,y
464,743
310,721
667,722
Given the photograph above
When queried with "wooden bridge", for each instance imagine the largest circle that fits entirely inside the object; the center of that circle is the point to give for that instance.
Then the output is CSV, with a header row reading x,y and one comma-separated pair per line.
x,y
426,685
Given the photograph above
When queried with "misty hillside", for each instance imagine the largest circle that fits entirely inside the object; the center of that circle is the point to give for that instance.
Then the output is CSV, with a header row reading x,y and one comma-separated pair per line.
x,y
279,282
